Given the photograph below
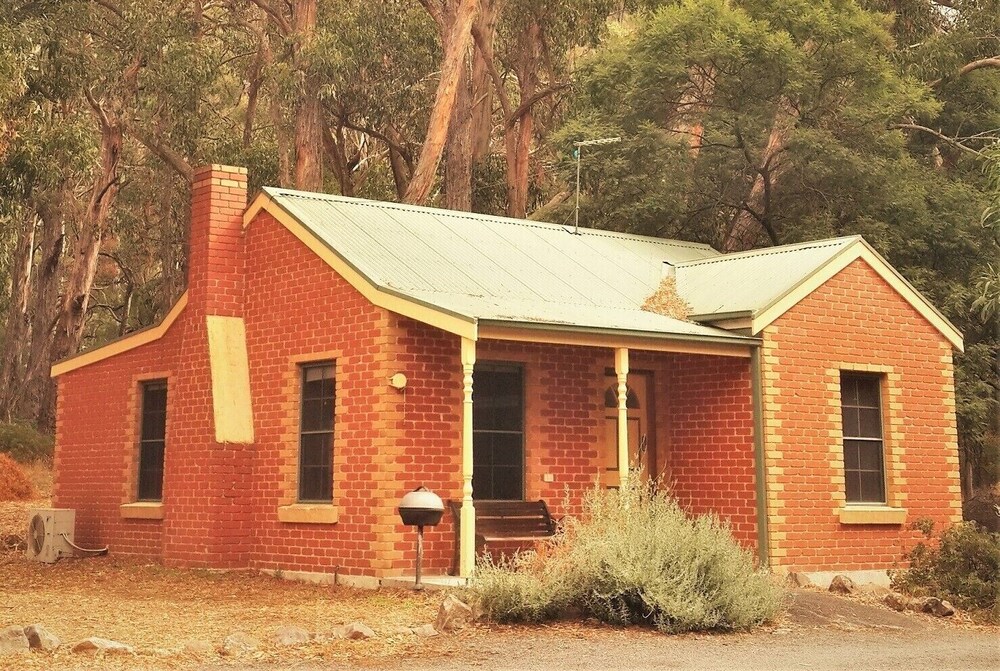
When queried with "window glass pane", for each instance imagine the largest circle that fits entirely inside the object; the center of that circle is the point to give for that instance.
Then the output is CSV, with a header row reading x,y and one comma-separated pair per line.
x,y
316,437
150,471
864,472
498,437
872,487
868,395
870,423
851,459
152,437
852,480
851,422
849,390
870,457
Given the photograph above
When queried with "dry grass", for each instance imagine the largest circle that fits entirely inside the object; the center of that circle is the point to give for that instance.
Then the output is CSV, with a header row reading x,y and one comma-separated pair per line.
x,y
157,610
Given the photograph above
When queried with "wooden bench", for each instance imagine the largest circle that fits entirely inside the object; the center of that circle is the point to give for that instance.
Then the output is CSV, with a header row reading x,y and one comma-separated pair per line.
x,y
504,521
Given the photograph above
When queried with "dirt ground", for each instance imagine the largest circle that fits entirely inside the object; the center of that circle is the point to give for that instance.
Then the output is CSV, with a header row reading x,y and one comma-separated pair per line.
x,y
158,610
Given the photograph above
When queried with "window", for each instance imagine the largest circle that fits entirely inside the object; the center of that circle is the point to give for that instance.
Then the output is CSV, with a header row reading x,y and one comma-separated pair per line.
x,y
864,471
152,440
498,433
316,433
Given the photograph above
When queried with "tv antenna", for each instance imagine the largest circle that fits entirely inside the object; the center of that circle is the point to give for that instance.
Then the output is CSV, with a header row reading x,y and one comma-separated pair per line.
x,y
576,153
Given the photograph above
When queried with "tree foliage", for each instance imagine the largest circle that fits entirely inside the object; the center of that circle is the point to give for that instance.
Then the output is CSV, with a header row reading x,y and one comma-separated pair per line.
x,y
744,123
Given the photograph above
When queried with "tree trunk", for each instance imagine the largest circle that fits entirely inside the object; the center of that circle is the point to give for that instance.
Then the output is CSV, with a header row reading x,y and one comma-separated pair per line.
x,y
35,382
482,83
456,48
76,297
751,223
401,169
519,132
18,323
308,114
458,147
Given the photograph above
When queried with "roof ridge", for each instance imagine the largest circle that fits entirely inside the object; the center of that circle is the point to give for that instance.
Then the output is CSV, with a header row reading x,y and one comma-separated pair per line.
x,y
780,249
456,214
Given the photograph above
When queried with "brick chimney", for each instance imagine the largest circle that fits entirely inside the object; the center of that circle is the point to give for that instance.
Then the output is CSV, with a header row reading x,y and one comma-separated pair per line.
x,y
216,258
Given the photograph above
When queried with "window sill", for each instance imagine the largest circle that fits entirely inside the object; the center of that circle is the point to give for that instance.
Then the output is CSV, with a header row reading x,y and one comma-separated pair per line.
x,y
309,513
143,510
872,515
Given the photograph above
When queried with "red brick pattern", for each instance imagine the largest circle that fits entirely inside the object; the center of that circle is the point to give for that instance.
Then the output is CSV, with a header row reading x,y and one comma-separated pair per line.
x,y
711,458
222,501
855,320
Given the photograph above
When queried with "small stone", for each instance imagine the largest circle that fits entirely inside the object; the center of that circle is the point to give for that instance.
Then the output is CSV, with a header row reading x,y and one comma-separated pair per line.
x,y
896,601
356,631
943,609
95,644
921,604
426,630
798,580
288,635
40,638
13,641
239,643
841,584
197,647
453,615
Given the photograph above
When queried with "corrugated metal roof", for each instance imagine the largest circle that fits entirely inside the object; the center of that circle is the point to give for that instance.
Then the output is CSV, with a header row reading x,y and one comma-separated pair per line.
x,y
508,270
751,281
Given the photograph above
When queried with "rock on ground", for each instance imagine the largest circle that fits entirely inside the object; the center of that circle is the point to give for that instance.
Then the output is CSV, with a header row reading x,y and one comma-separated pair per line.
x,y
95,644
13,641
896,601
798,580
290,635
938,607
453,615
40,638
841,584
239,643
354,631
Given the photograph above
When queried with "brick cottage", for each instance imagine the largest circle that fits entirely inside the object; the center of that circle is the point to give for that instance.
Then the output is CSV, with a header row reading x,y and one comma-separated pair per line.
x,y
331,354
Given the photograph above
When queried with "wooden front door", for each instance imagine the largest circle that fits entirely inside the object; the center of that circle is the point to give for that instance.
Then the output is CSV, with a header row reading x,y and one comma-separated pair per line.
x,y
641,452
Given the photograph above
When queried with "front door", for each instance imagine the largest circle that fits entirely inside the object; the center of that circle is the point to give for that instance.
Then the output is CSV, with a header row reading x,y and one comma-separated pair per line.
x,y
641,452
498,432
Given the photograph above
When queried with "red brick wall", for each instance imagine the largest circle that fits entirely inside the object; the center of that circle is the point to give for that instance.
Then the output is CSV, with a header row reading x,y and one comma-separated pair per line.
x,y
299,310
711,452
96,446
855,321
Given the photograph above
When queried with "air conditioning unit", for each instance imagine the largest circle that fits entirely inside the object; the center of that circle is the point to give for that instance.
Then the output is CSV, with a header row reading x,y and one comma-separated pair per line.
x,y
50,534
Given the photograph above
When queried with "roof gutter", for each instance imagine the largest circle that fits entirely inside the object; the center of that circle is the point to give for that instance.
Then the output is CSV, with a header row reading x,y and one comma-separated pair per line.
x,y
721,339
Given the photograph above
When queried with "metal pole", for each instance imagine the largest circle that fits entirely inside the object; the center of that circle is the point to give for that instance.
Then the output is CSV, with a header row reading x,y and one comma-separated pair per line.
x,y
420,556
576,211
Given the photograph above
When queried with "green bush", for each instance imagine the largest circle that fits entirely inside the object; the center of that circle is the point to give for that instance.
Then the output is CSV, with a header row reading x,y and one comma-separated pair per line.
x,y
963,567
634,557
24,444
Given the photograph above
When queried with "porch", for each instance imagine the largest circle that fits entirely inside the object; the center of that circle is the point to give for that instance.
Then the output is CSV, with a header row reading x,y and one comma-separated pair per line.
x,y
547,415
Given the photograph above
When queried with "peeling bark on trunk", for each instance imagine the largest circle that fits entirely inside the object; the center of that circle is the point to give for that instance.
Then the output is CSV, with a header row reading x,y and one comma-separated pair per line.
x,y
458,147
452,67
308,114
482,83
519,129
76,297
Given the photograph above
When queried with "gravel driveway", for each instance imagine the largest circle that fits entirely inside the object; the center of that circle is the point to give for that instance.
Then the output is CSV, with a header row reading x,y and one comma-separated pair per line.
x,y
820,632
